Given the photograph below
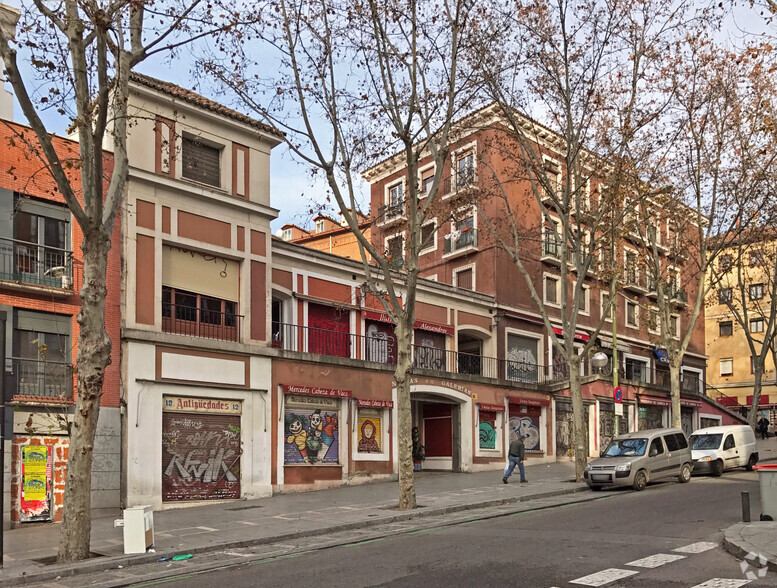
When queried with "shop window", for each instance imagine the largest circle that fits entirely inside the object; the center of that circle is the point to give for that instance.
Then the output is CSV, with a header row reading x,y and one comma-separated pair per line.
x,y
487,429
726,328
201,161
311,430
370,424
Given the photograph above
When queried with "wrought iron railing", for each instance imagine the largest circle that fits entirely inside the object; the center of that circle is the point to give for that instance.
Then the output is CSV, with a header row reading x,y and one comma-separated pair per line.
x,y
200,322
37,378
642,375
467,238
551,244
391,210
378,347
31,263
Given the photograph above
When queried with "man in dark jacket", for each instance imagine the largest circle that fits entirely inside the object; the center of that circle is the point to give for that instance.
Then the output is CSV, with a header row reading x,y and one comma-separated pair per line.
x,y
515,456
763,425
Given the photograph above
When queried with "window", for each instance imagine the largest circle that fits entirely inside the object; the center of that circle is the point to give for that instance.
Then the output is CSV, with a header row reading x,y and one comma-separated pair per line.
x,y
463,235
671,443
42,355
553,178
551,290
726,328
41,241
674,326
632,314
395,251
631,267
757,258
287,234
725,295
320,226
583,303
552,241
396,195
464,278
465,169
729,443
757,325
727,366
605,309
190,313
427,179
756,291
201,162
428,239
656,447
725,263
654,321
636,370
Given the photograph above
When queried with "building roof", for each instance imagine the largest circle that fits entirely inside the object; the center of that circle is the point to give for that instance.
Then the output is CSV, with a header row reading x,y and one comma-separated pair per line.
x,y
198,100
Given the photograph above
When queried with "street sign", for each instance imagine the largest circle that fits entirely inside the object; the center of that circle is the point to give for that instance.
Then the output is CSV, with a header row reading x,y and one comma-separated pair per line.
x,y
618,409
618,395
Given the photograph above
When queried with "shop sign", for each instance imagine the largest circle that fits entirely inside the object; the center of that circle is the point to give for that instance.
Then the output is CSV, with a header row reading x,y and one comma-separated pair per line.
x,y
201,405
529,401
370,403
36,483
654,401
307,400
491,407
316,391
691,403
422,325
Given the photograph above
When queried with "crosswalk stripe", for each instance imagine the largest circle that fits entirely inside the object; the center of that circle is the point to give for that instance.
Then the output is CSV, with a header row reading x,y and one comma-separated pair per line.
x,y
722,583
655,561
603,577
699,547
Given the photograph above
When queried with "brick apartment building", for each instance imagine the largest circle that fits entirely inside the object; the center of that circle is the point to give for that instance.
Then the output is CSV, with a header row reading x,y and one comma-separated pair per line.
x,y
40,276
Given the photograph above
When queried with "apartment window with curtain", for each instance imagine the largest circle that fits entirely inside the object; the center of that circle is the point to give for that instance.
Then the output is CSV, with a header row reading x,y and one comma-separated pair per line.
x,y
726,328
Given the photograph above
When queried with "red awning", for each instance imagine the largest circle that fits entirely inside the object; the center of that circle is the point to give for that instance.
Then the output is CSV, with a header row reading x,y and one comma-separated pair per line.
x,y
690,403
727,401
422,325
371,403
653,400
763,399
578,336
316,391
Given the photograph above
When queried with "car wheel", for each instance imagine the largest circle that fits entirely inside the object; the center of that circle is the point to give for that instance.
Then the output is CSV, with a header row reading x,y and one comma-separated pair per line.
x,y
685,474
751,463
717,468
640,481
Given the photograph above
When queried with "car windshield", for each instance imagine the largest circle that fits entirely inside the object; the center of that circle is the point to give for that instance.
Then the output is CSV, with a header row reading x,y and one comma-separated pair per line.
x,y
706,441
626,447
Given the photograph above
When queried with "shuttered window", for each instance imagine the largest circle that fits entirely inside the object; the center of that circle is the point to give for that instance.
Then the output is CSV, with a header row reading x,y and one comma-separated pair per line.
x,y
464,279
200,161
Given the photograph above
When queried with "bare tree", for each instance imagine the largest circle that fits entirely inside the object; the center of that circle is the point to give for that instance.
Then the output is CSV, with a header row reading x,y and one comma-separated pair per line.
x,y
357,83
85,51
591,73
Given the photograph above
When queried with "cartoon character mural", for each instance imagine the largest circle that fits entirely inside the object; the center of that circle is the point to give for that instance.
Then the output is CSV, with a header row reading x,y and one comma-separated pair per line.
x,y
311,437
369,433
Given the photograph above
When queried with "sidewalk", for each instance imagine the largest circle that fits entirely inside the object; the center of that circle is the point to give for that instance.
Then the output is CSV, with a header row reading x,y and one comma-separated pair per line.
x,y
282,517
757,539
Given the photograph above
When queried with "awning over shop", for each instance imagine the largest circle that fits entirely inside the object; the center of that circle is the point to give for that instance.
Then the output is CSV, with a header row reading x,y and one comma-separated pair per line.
x,y
491,407
371,403
764,399
690,403
578,336
316,391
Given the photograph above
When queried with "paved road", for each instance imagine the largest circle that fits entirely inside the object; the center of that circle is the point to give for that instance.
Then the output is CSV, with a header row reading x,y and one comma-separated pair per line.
x,y
671,526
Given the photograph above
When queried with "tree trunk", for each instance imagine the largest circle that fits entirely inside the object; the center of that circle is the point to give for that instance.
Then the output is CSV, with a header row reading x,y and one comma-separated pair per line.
x,y
752,416
94,355
674,391
580,424
404,426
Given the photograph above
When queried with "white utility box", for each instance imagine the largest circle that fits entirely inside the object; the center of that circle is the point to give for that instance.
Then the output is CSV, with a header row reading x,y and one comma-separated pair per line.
x,y
138,523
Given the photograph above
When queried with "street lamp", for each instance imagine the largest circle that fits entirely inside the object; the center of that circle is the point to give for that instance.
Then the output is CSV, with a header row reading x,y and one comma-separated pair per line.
x,y
599,360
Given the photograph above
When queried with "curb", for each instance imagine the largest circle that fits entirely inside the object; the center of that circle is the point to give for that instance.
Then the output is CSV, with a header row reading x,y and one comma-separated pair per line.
x,y
739,548
102,564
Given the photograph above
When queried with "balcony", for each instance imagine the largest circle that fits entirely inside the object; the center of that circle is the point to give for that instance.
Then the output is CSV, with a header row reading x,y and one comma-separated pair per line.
x,y
380,348
678,295
391,213
40,379
633,280
459,185
33,266
551,247
199,322
461,242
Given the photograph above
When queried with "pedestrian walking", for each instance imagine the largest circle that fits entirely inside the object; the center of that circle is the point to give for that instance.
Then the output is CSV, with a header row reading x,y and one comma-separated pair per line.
x,y
515,457
763,426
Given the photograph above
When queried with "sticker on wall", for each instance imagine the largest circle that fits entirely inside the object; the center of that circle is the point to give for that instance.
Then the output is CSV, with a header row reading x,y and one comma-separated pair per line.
x,y
35,504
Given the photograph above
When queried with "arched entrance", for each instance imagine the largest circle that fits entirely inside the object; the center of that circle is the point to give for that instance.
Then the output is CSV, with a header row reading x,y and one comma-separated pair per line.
x,y
444,422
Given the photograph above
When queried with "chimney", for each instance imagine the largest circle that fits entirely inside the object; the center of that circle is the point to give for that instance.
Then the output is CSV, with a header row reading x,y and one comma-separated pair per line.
x,y
8,18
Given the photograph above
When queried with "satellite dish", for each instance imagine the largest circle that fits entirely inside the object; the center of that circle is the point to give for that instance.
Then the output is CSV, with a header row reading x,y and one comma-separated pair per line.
x,y
57,271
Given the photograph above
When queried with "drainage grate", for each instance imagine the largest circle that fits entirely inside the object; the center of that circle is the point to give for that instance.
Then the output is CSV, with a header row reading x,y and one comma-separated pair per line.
x,y
244,507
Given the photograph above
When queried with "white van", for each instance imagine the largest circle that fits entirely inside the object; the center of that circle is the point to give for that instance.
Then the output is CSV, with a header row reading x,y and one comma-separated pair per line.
x,y
715,449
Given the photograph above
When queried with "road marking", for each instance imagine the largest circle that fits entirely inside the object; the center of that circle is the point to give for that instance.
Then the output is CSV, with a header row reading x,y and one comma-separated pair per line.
x,y
699,547
655,561
604,577
722,583
249,523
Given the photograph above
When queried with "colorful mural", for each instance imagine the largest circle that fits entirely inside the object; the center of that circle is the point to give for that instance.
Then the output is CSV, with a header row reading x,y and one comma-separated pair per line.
x,y
36,483
487,429
311,435
369,432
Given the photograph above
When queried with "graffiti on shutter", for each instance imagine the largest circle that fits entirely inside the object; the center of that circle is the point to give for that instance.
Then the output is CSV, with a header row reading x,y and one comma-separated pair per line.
x,y
200,456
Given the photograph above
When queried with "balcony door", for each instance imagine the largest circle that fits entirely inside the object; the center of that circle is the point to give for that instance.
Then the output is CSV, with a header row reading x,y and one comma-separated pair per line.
x,y
42,355
40,244
329,330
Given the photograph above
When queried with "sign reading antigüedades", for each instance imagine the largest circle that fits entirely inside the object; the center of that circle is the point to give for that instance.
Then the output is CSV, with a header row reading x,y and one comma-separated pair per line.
x,y
203,405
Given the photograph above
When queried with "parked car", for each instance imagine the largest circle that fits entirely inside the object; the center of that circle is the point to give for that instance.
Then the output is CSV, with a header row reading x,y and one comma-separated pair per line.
x,y
716,449
637,458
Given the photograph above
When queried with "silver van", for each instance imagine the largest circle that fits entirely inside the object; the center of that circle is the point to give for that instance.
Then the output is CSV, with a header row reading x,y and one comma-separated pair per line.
x,y
715,449
637,458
